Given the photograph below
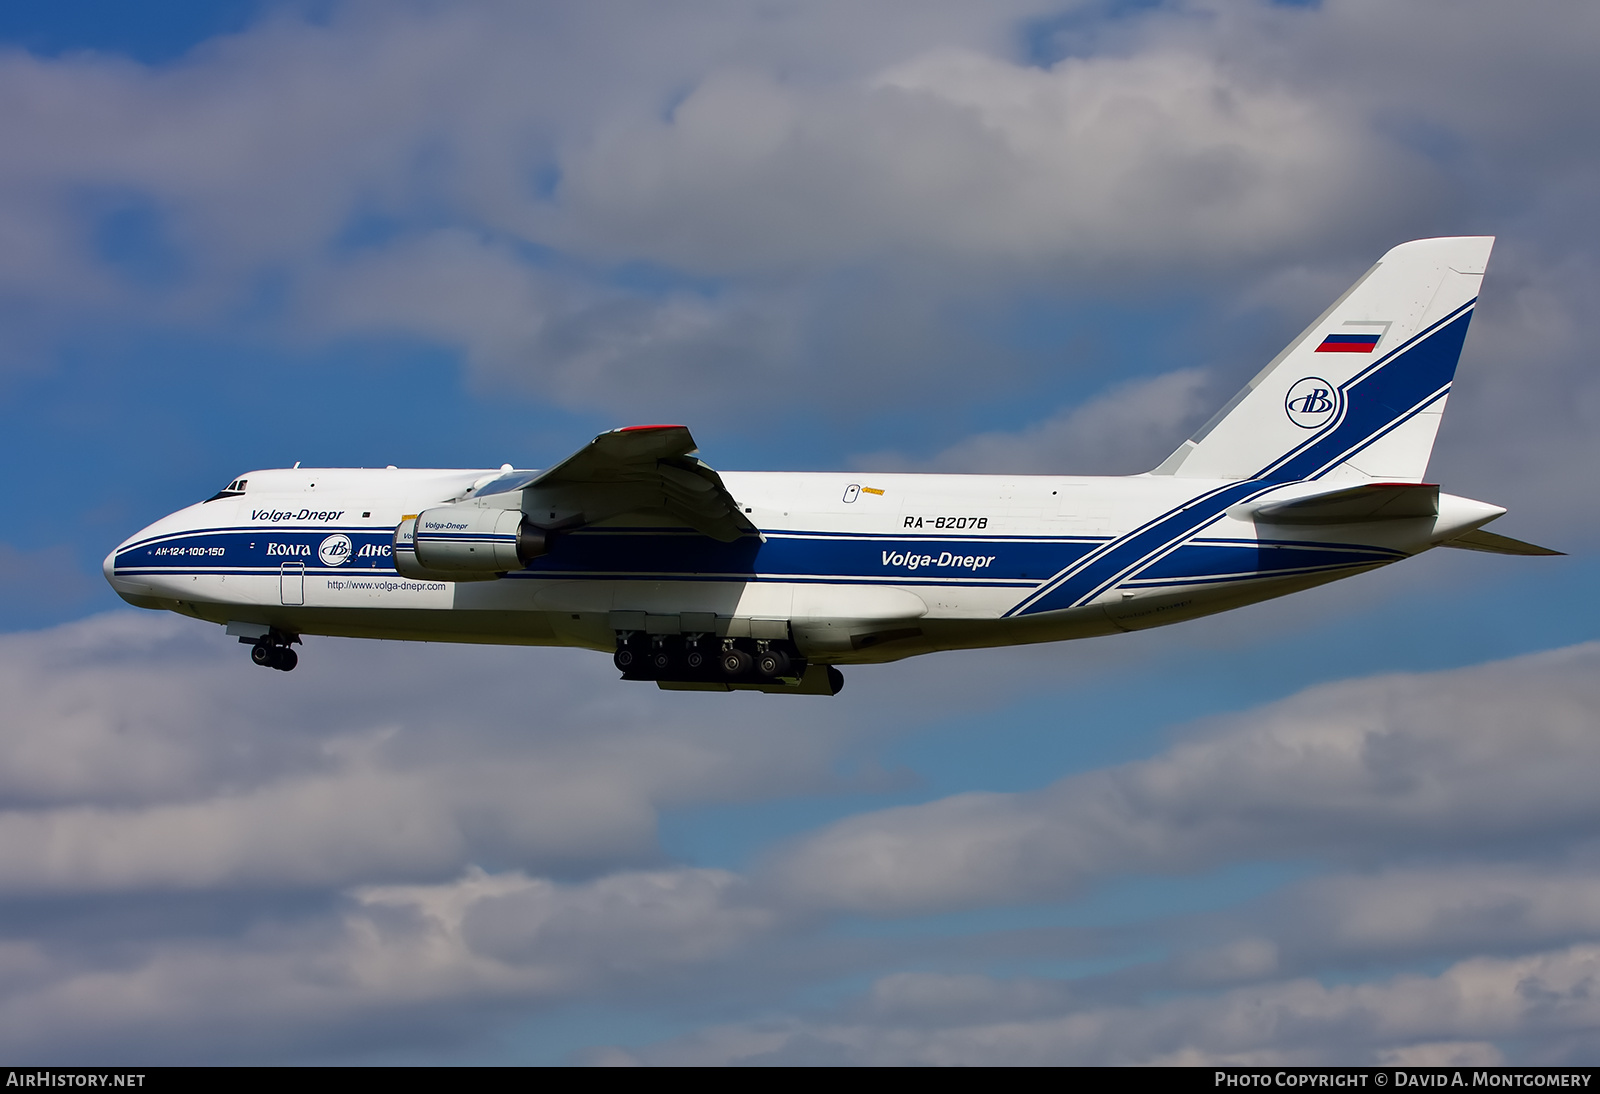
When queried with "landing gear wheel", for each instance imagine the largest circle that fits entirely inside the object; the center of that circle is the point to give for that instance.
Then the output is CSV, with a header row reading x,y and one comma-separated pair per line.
x,y
773,663
736,662
694,660
270,655
626,660
660,659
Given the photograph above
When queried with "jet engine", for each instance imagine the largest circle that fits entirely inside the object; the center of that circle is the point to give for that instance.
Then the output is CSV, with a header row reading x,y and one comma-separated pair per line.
x,y
465,543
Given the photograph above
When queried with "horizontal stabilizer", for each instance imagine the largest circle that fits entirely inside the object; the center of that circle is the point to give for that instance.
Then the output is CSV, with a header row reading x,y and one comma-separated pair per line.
x,y
1497,545
1357,504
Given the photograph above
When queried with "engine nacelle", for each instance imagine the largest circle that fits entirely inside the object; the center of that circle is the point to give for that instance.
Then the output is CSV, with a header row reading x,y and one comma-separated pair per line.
x,y
465,543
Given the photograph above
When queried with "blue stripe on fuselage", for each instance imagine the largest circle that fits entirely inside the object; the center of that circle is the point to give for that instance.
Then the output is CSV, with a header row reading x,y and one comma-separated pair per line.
x,y
605,553
232,549
655,555
1197,560
809,556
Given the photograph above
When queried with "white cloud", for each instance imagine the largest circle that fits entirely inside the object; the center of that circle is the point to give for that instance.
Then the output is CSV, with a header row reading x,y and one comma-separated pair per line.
x,y
261,148
1099,161
1440,909
529,330
372,809
1523,426
1126,430
474,175
386,953
935,998
146,752
1547,999
1356,770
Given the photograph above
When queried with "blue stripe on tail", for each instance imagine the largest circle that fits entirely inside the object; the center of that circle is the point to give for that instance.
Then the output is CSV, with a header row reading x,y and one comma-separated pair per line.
x,y
1377,400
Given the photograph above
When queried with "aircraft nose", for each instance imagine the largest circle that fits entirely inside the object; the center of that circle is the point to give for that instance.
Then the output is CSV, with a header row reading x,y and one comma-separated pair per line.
x,y
132,591
131,586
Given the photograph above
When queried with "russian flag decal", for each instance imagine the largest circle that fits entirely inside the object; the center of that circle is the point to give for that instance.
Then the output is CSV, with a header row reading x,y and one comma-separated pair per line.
x,y
1349,343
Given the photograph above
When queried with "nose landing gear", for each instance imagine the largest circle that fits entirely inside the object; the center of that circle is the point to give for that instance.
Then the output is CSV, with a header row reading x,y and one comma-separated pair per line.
x,y
272,650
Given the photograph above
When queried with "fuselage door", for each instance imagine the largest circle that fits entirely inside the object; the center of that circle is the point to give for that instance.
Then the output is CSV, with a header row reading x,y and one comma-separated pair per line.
x,y
292,583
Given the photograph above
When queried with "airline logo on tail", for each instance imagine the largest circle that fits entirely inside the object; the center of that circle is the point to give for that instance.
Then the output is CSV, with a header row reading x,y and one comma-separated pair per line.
x,y
1311,402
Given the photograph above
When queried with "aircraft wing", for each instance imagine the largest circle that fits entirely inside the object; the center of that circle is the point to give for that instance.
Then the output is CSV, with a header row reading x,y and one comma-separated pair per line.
x,y
639,468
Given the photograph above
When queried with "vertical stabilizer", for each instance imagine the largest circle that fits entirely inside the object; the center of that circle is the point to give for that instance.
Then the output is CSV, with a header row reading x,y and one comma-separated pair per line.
x,y
1359,394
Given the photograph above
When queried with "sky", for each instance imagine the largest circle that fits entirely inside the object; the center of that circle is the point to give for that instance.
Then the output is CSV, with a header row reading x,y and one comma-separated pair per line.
x,y
1354,826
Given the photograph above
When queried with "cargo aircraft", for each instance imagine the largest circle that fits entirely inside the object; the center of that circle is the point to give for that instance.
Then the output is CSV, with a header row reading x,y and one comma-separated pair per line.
x,y
770,581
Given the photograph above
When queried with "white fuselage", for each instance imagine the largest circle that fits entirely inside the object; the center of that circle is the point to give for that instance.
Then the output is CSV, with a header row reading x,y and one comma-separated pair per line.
x,y
854,567
1313,472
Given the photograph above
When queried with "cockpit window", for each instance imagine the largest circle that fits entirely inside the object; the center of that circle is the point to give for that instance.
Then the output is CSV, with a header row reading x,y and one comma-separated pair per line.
x,y
232,490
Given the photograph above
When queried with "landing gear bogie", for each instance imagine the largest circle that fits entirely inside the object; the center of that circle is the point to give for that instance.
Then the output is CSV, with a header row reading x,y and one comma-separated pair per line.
x,y
274,651
693,658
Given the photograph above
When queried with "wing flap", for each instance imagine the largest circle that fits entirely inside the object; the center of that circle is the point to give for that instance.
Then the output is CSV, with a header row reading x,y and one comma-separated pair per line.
x,y
641,468
694,493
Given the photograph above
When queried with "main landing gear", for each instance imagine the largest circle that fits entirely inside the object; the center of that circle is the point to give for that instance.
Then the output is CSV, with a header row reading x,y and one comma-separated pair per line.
x,y
272,651
694,658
